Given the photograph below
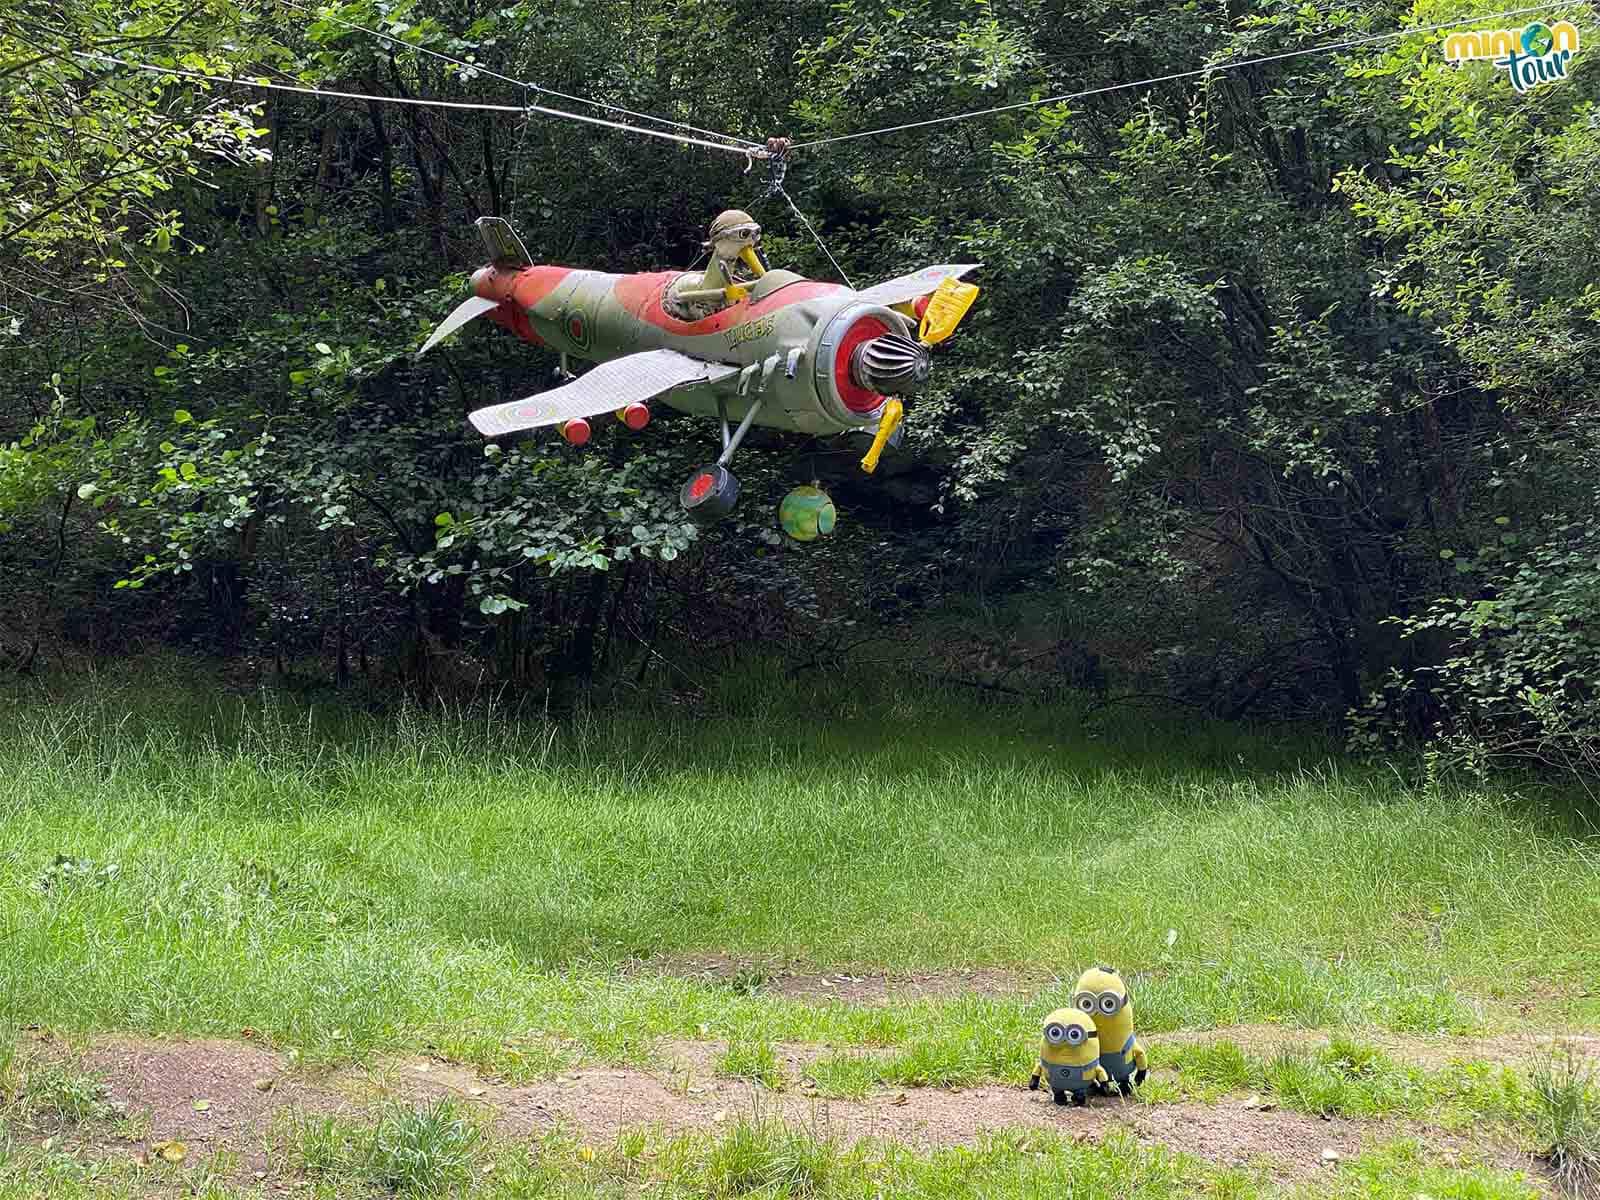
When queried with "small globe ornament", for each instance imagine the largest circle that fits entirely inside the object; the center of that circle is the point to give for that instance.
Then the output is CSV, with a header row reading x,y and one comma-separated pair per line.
x,y
1538,39
806,514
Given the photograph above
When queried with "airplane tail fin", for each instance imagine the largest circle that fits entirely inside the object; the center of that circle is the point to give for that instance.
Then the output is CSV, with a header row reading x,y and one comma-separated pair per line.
x,y
505,248
507,253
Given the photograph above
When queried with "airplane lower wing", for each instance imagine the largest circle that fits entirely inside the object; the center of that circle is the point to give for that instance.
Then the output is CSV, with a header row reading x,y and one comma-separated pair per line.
x,y
632,379
920,283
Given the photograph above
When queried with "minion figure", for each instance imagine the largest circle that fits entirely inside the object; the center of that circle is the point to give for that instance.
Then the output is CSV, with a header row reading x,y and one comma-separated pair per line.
x,y
1069,1057
1102,997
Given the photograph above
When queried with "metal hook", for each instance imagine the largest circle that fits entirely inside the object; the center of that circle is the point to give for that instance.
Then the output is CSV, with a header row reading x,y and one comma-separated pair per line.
x,y
777,164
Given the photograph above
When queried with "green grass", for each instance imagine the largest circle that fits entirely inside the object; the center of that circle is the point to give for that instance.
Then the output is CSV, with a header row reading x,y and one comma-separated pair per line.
x,y
347,884
755,1060
33,1090
1567,1122
411,1150
757,1157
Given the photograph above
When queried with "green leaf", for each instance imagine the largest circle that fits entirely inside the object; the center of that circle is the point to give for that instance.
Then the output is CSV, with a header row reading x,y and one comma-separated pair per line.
x,y
444,519
323,348
182,416
85,490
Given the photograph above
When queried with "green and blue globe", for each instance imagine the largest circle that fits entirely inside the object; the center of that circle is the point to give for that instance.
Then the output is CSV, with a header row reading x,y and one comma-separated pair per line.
x,y
1537,39
806,514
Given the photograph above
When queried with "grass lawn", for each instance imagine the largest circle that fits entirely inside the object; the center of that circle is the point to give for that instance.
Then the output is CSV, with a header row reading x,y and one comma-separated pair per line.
x,y
343,884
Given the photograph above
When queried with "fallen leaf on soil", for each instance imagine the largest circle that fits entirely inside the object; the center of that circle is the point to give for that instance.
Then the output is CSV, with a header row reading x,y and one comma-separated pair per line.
x,y
262,1085
1330,1155
900,1098
173,1152
201,1105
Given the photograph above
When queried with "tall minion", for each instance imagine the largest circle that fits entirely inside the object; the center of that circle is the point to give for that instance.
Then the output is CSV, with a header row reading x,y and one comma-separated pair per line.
x,y
1069,1056
1101,996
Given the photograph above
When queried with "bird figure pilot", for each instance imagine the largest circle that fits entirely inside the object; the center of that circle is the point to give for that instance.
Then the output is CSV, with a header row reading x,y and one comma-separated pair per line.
x,y
736,262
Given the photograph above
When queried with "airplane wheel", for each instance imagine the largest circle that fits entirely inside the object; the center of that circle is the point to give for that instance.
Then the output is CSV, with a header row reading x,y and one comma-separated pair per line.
x,y
710,494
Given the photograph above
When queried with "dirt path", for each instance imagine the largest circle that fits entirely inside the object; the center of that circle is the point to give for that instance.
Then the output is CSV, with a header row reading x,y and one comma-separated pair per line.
x,y
227,1095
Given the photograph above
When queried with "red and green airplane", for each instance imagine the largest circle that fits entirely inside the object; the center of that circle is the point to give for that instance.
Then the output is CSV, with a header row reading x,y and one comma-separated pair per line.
x,y
739,342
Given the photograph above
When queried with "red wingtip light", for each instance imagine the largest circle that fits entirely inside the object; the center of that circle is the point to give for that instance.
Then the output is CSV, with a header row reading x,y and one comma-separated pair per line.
x,y
576,431
635,416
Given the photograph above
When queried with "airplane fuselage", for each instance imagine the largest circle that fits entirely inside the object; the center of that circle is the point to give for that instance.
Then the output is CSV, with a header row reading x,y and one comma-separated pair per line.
x,y
791,338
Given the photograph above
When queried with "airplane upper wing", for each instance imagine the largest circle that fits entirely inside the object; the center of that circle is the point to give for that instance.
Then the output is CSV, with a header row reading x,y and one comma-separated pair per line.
x,y
920,283
632,379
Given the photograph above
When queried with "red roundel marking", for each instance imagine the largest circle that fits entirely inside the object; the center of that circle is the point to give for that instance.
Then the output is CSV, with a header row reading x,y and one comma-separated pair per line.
x,y
575,327
701,485
856,398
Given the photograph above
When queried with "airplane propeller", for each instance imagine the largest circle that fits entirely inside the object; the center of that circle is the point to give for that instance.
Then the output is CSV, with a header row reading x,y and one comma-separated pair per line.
x,y
893,365
472,306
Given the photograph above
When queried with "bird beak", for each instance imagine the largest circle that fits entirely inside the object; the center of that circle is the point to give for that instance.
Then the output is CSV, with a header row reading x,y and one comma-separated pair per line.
x,y
751,259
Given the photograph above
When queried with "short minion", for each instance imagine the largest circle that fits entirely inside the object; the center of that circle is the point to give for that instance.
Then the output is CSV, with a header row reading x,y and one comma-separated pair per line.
x,y
1101,996
1069,1057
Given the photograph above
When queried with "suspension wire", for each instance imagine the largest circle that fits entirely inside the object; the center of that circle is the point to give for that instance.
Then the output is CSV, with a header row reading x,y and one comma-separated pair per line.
x,y
1207,70
817,238
420,102
521,83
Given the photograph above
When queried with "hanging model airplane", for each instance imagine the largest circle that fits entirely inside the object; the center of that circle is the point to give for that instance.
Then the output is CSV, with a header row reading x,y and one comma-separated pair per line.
x,y
739,342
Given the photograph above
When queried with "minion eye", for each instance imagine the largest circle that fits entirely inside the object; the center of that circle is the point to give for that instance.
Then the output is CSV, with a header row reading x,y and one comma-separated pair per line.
x,y
1075,1036
1086,1003
1055,1034
1109,1004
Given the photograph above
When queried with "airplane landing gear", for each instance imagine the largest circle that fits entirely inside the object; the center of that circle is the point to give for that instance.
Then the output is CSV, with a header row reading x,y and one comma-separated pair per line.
x,y
713,490
709,494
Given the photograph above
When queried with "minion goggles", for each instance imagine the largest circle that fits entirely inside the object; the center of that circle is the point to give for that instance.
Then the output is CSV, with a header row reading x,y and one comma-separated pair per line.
x,y
1106,1004
1072,1035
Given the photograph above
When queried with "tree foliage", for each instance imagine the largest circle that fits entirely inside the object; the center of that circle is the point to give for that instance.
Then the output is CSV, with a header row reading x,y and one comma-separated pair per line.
x,y
1278,399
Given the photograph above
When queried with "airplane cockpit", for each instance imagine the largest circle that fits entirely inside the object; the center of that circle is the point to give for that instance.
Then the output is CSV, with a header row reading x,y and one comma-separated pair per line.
x,y
736,263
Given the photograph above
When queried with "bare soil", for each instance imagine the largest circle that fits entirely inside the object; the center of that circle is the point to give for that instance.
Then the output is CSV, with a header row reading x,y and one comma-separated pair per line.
x,y
222,1095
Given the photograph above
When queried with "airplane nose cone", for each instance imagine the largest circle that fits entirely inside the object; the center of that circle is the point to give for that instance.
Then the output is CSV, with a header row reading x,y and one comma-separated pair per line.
x,y
493,284
891,364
